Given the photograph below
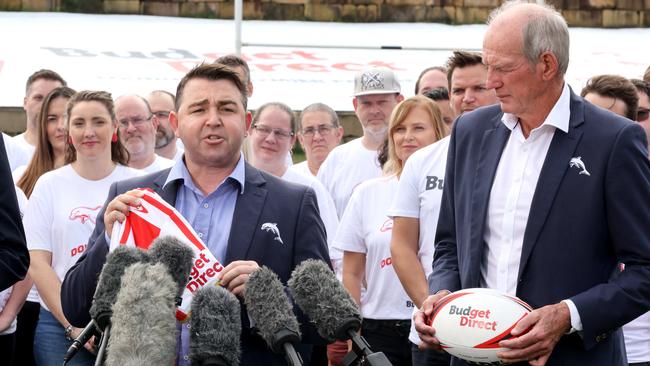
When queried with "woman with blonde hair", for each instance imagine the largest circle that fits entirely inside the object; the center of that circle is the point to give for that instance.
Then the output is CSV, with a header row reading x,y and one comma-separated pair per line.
x,y
62,212
365,232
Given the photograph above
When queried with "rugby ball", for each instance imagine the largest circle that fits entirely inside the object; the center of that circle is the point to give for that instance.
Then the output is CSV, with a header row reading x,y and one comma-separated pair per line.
x,y
470,323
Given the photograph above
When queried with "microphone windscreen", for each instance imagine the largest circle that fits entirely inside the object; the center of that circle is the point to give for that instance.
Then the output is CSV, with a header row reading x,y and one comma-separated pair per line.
x,y
323,298
269,308
215,327
110,279
143,327
176,255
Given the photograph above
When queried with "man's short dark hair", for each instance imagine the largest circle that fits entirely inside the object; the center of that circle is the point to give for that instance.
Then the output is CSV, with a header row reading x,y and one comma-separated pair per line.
x,y
442,69
461,59
212,72
438,94
234,61
43,74
617,87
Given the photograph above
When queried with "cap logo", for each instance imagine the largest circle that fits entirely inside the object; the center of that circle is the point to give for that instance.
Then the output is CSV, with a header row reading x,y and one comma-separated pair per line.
x,y
372,80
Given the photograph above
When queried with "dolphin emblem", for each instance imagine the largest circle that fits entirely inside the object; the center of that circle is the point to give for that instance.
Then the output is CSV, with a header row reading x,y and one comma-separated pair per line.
x,y
273,228
578,163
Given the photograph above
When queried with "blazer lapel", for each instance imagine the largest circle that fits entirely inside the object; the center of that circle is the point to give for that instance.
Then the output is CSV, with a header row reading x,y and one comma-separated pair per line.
x,y
555,166
492,145
168,193
246,217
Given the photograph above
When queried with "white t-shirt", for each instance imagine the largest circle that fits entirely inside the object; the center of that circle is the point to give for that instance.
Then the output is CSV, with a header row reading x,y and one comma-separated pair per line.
x,y
365,228
325,207
27,148
302,168
346,166
62,212
637,339
419,193
158,164
17,155
4,295
17,173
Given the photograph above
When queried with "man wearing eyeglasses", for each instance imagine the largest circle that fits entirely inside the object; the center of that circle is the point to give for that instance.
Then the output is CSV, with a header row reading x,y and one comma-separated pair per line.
x,y
138,133
167,145
376,93
319,132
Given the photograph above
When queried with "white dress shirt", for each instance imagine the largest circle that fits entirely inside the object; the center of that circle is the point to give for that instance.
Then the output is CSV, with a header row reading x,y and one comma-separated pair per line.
x,y
512,195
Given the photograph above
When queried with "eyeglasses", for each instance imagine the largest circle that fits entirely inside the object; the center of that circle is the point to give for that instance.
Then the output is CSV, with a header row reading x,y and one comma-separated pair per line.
x,y
279,133
323,130
136,121
161,114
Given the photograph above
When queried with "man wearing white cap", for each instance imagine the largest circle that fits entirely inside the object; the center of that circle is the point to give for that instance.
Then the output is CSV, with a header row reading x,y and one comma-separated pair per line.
x,y
376,93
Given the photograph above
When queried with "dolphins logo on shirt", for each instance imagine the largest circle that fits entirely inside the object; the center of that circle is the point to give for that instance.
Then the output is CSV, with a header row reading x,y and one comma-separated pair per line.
x,y
84,214
578,163
273,228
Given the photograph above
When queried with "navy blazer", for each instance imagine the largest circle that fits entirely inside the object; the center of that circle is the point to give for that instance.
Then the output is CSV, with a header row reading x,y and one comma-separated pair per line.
x,y
14,258
579,226
265,199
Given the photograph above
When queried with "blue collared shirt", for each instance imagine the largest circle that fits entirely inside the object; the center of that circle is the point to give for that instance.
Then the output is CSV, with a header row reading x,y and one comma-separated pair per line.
x,y
211,218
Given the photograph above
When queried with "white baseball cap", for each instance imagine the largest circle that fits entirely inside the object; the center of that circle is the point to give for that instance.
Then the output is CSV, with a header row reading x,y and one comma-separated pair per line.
x,y
375,80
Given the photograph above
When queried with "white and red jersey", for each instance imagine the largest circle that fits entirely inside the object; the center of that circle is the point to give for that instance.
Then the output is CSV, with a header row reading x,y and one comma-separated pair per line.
x,y
62,212
365,228
155,218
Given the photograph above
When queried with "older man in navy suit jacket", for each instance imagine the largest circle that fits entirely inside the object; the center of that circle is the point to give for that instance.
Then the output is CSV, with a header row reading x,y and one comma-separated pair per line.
x,y
227,201
544,195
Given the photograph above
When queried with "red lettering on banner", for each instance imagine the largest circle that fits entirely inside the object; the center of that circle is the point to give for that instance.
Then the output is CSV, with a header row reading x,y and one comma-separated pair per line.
x,y
266,67
344,66
307,55
308,67
198,277
273,56
385,64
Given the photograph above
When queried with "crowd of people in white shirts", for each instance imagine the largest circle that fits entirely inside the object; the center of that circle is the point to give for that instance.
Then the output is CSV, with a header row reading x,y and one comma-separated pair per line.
x,y
378,194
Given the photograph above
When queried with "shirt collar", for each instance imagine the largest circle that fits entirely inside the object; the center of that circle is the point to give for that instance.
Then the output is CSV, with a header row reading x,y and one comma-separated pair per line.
x,y
558,117
179,172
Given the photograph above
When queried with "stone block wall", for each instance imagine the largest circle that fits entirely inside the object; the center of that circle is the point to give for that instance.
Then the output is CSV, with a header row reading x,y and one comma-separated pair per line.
x,y
579,13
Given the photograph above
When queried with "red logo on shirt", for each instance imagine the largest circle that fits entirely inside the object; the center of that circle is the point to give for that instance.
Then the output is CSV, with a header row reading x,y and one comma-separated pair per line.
x,y
140,209
84,214
388,225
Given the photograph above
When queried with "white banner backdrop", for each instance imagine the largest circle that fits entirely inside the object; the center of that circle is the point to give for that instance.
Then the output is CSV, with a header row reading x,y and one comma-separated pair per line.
x,y
315,63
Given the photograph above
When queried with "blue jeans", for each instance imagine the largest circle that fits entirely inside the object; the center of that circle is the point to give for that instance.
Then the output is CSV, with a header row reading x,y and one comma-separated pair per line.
x,y
50,344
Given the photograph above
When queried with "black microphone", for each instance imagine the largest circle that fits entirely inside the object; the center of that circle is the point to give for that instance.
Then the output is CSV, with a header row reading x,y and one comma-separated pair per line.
x,y
177,256
270,309
324,299
143,325
215,328
108,286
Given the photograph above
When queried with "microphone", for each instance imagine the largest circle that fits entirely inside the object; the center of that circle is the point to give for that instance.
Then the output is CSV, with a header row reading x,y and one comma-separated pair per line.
x,y
177,256
324,299
108,286
215,328
270,309
143,323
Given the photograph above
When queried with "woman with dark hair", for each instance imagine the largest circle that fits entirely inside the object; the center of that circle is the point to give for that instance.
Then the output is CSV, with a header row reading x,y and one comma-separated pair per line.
x,y
62,211
365,233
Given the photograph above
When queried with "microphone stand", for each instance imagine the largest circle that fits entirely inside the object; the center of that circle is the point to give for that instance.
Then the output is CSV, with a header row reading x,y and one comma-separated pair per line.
x,y
284,340
361,354
101,353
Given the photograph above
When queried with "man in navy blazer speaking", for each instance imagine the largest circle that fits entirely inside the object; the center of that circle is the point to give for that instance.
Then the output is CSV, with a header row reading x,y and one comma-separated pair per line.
x,y
229,203
544,195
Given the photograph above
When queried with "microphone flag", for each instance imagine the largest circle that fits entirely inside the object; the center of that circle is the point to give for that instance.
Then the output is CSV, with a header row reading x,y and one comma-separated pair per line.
x,y
155,217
